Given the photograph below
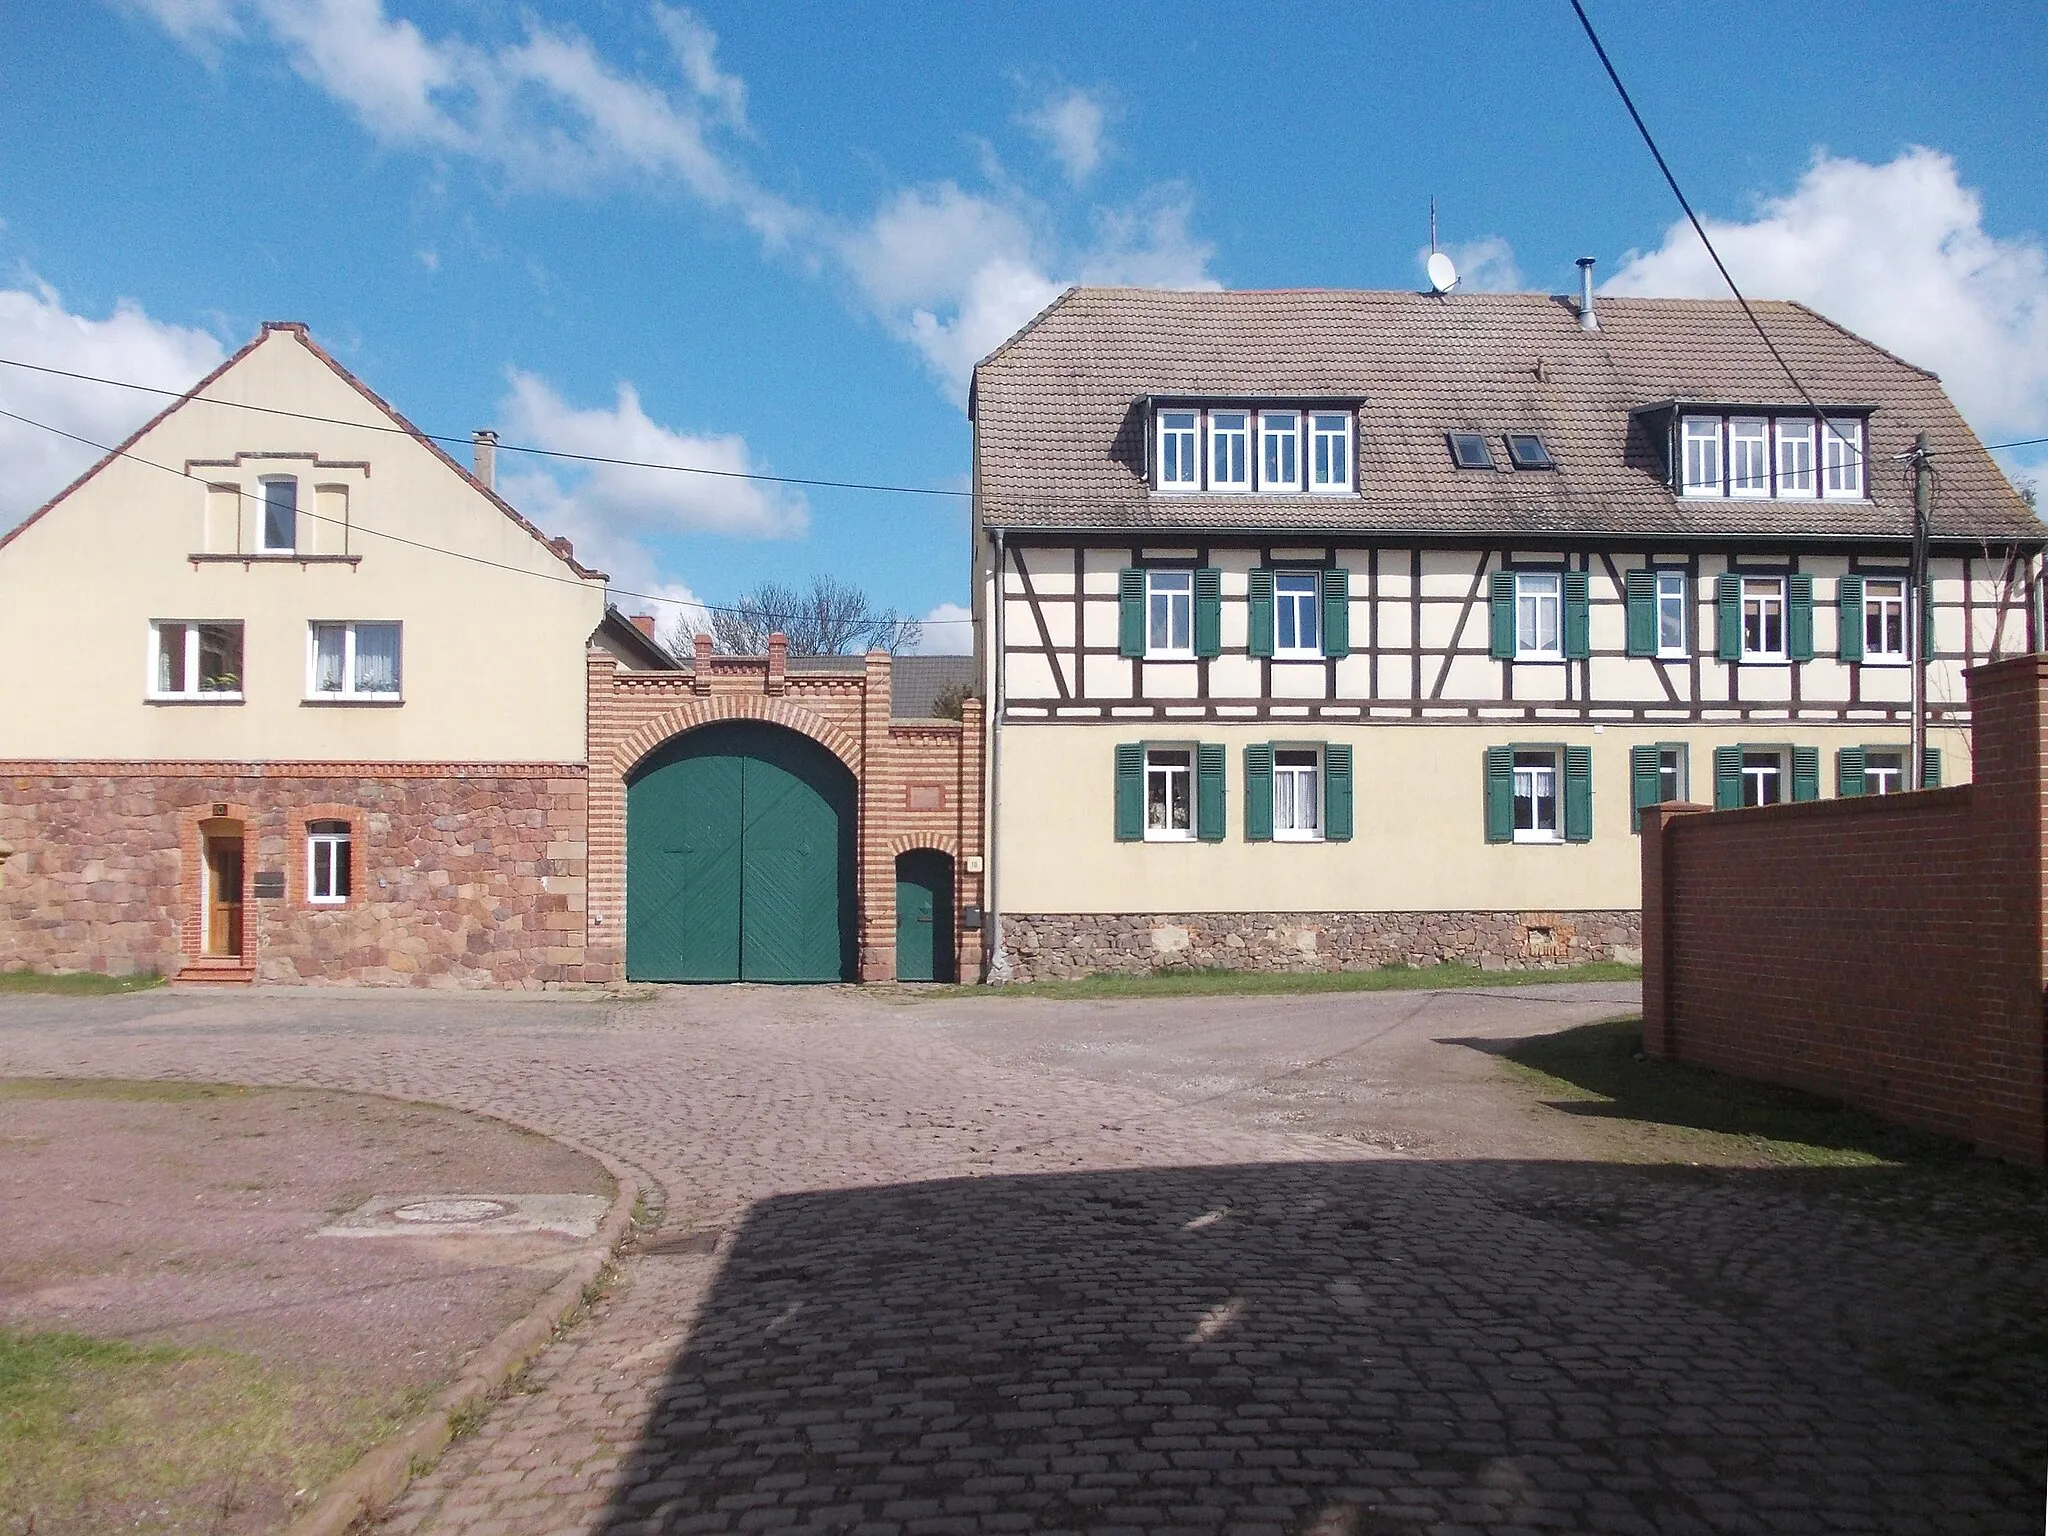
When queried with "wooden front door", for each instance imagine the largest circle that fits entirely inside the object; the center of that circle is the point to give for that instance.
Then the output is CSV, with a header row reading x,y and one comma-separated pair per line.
x,y
222,842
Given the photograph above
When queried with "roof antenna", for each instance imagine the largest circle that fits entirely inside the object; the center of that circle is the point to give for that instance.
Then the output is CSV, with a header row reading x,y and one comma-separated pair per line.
x,y
1443,273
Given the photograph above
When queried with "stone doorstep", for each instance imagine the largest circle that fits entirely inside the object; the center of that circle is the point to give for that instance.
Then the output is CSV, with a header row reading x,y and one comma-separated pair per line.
x,y
216,973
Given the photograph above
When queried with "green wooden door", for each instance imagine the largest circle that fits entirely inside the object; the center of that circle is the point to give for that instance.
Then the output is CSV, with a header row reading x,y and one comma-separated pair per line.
x,y
739,859
924,916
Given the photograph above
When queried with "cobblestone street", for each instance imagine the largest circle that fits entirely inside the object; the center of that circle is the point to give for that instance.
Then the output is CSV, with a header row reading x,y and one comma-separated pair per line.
x,y
1290,1265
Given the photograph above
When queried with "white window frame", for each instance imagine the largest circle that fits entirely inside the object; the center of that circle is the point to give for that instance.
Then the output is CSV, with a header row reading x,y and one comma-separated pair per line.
x,y
1530,591
1166,586
1329,437
1184,770
1674,591
1749,456
1777,766
1275,427
1764,599
1293,602
1221,438
1794,459
1680,773
338,844
1312,771
349,692
1842,463
1187,453
1902,759
263,544
1536,763
192,693
1704,434
1875,603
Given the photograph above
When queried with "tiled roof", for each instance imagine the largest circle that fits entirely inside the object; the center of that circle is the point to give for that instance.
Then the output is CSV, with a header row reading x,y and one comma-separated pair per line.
x,y
1060,419
916,682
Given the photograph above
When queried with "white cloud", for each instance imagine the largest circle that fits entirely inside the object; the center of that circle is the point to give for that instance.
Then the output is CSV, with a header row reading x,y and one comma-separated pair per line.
x,y
546,110
1071,125
1898,253
35,327
1485,265
956,273
948,631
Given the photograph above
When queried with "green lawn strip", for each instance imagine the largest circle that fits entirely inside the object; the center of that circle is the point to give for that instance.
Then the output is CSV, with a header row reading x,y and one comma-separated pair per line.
x,y
132,1089
98,1433
77,983
1599,1071
1223,983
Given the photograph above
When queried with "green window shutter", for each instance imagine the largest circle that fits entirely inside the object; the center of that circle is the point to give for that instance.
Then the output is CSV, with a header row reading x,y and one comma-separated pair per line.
x,y
1930,768
1578,794
1259,615
1727,778
1578,616
1639,588
1927,620
1258,792
1208,611
1646,785
1728,600
1849,780
1806,773
1336,612
1130,791
1849,622
1130,611
1337,792
1501,600
1500,794
1799,617
1209,792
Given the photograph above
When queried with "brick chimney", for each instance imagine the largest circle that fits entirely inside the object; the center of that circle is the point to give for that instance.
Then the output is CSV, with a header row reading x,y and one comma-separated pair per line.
x,y
485,444
644,622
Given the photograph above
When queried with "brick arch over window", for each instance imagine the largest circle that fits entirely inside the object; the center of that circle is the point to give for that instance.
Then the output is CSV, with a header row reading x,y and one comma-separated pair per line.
x,y
299,829
689,717
937,842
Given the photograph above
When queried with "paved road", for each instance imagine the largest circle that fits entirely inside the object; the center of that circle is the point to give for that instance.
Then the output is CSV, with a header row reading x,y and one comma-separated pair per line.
x,y
1214,1265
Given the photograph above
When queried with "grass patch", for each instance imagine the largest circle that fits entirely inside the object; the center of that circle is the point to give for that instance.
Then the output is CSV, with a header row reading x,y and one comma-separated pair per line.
x,y
1221,983
1599,1071
131,1090
77,983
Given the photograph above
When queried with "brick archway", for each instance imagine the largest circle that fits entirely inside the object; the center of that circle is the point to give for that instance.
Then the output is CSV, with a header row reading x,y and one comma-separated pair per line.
x,y
937,842
629,753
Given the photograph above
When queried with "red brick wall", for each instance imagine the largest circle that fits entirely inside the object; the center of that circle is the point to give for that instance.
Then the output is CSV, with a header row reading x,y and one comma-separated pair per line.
x,y
463,875
632,713
1883,951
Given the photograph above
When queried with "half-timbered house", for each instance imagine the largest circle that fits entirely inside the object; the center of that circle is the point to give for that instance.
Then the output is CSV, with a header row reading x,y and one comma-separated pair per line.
x,y
1339,628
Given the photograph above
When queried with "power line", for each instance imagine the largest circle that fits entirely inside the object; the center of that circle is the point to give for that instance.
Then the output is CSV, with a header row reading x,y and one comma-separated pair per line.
x,y
441,437
1700,229
453,554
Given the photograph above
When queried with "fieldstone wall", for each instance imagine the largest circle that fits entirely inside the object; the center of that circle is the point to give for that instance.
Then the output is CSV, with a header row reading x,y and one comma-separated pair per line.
x,y
1082,944
463,875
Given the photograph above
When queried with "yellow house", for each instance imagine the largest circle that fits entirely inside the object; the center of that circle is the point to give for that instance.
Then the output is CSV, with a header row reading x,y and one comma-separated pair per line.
x,y
291,695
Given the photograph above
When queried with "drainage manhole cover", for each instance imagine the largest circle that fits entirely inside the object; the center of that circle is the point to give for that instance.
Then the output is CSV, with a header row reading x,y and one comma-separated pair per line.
x,y
440,1211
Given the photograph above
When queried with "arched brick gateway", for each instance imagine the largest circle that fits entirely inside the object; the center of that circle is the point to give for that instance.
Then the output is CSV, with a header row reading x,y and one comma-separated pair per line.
x,y
918,782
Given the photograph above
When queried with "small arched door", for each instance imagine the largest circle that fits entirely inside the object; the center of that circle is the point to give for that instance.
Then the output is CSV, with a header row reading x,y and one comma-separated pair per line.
x,y
739,859
924,916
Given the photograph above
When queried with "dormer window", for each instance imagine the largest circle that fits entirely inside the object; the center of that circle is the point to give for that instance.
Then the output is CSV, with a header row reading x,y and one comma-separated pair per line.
x,y
1526,451
1251,449
1770,456
1470,450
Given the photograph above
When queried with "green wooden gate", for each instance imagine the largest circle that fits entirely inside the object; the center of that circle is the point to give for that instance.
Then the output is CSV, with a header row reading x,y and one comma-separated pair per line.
x,y
739,859
924,916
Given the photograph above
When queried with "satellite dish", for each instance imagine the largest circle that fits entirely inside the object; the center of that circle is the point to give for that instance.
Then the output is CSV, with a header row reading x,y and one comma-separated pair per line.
x,y
1443,276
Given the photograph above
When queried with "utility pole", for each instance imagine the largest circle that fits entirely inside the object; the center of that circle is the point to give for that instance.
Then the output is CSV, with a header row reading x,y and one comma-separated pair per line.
x,y
1916,606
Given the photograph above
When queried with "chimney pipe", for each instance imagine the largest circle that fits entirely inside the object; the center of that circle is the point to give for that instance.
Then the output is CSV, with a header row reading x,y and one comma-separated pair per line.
x,y
486,442
1588,320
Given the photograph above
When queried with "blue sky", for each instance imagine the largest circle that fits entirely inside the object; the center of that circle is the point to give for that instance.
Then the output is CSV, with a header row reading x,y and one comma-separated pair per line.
x,y
775,237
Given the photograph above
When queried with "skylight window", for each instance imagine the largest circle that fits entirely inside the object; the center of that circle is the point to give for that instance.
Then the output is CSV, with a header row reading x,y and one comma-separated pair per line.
x,y
1470,451
1527,451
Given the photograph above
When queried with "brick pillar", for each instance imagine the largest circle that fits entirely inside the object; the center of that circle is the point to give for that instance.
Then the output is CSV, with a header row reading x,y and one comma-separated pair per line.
x,y
604,933
700,677
877,865
2009,805
778,662
1660,1032
968,880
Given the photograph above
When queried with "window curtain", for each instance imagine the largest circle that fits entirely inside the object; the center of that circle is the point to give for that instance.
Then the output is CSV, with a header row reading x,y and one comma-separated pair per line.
x,y
329,646
377,658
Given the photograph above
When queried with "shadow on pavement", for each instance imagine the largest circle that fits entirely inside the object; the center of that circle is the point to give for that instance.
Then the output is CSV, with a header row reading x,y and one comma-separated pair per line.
x,y
1366,1348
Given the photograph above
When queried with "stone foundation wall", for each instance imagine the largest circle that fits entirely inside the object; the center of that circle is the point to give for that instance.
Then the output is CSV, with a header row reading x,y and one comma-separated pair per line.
x,y
463,876
1081,944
